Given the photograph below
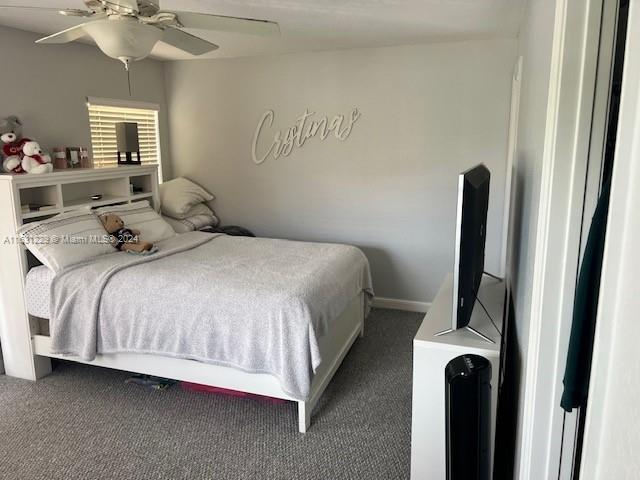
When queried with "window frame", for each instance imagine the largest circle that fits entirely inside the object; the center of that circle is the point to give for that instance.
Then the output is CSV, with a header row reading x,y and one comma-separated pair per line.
x,y
131,104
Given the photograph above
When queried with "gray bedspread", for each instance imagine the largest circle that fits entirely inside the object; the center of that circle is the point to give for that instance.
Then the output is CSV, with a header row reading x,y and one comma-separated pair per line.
x,y
259,305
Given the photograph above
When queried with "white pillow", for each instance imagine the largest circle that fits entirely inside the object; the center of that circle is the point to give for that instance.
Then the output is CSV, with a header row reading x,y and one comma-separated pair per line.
x,y
179,195
140,216
66,239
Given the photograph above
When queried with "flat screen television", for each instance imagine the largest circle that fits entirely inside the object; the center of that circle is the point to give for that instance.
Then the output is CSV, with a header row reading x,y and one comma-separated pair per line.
x,y
471,232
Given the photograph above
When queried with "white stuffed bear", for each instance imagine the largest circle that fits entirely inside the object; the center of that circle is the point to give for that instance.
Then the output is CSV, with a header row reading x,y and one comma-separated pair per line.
x,y
35,160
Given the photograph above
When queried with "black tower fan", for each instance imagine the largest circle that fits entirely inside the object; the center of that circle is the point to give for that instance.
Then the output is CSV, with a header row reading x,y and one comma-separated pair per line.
x,y
468,417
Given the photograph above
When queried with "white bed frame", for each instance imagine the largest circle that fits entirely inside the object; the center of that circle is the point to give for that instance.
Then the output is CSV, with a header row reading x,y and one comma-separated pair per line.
x,y
27,352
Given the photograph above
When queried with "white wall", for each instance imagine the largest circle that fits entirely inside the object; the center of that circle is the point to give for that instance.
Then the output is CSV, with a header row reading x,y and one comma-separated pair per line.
x,y
46,87
428,112
534,45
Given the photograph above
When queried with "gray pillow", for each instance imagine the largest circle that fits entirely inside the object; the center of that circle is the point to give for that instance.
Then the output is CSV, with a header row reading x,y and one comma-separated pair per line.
x,y
179,195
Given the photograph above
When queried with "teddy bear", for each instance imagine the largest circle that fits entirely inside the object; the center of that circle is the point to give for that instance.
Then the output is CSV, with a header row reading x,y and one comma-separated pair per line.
x,y
34,159
11,136
11,163
122,238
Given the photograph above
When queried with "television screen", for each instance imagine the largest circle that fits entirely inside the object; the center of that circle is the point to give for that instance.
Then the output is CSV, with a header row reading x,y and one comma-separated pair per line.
x,y
471,229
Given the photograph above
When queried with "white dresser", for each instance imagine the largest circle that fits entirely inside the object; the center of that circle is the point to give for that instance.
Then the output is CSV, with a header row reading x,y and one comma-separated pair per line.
x,y
430,356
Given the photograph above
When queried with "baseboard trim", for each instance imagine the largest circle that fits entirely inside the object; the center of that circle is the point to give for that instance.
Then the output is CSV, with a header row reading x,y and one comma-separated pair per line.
x,y
398,304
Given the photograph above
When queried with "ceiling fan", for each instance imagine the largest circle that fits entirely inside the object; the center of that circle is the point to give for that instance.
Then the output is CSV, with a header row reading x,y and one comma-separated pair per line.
x,y
128,29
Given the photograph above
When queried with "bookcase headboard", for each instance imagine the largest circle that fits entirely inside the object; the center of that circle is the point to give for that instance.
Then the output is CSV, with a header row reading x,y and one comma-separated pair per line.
x,y
28,198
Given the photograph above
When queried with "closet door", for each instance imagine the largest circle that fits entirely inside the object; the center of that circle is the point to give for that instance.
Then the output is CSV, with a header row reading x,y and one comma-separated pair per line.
x,y
600,164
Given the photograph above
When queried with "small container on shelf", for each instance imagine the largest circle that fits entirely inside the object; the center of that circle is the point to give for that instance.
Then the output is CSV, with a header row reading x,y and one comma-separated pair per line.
x,y
85,160
59,158
73,157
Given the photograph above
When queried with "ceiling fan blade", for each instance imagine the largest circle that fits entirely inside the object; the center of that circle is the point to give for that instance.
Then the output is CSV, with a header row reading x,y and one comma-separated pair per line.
x,y
76,12
69,12
187,42
227,24
65,36
44,9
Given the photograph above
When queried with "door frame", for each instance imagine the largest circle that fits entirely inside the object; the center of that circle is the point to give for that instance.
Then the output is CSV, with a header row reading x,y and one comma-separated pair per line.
x,y
619,301
574,60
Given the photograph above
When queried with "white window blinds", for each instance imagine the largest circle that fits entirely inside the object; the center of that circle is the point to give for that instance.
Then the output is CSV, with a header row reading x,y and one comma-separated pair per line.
x,y
105,113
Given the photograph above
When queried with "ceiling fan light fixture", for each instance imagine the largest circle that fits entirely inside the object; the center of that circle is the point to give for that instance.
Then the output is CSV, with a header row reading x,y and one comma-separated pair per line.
x,y
127,30
124,38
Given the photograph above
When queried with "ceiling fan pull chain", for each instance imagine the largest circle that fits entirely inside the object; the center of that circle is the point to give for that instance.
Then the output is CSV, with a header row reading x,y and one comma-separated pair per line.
x,y
126,67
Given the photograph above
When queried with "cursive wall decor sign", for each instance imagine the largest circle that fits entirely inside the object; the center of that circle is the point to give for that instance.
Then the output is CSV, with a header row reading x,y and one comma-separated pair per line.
x,y
295,137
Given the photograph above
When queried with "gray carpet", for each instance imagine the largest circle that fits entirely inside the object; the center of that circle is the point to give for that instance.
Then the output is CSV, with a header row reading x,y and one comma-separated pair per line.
x,y
85,423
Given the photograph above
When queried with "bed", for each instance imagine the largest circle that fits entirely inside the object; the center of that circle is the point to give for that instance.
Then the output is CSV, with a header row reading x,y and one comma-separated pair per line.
x,y
265,316
324,294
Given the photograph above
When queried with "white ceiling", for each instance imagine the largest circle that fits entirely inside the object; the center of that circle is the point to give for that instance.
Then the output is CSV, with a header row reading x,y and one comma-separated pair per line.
x,y
308,25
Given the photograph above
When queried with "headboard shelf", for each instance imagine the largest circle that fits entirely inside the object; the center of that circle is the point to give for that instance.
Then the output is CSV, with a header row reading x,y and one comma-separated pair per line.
x,y
78,175
141,196
79,193
84,202
41,214
64,191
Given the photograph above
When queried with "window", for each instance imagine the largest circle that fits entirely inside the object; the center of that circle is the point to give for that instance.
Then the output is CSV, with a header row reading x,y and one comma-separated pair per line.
x,y
105,113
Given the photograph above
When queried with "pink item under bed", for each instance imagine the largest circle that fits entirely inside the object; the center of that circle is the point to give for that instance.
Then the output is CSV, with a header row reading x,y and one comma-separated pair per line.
x,y
196,387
